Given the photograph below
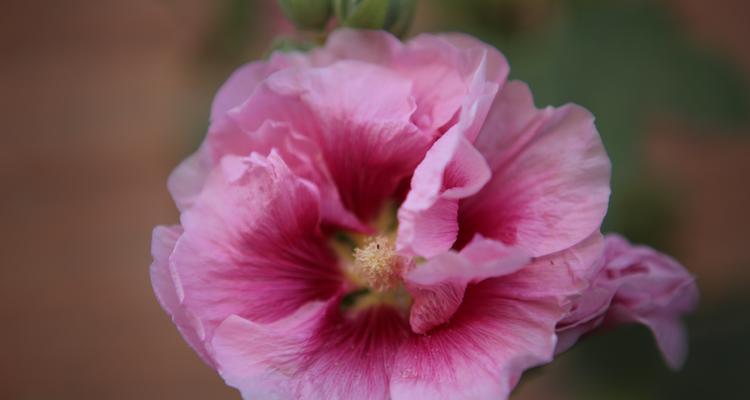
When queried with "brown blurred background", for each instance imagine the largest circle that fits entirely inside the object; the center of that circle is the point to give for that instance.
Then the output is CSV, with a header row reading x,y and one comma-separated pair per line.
x,y
99,100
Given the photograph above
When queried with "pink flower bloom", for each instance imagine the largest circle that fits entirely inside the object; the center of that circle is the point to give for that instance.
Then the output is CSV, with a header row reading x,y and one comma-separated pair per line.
x,y
635,284
290,273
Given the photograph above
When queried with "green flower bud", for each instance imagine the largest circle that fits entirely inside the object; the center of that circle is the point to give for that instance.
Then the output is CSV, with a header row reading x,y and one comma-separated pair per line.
x,y
391,15
307,14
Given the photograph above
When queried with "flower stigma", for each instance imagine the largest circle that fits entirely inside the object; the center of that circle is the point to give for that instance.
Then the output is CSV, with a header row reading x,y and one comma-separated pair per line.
x,y
378,264
373,266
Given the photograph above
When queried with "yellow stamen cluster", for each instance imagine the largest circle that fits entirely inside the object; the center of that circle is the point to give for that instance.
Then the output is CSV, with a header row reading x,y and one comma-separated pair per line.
x,y
378,263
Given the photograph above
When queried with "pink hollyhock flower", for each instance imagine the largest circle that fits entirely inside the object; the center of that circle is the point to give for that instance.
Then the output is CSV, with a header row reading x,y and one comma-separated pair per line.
x,y
635,284
382,220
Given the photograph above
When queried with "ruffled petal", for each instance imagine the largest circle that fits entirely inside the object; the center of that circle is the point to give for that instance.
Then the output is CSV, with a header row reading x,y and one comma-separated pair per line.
x,y
261,359
243,82
460,73
503,326
550,176
316,354
301,154
482,352
371,46
652,289
187,180
252,245
238,88
438,285
162,245
358,114
497,68
636,284
467,71
565,274
487,72
452,169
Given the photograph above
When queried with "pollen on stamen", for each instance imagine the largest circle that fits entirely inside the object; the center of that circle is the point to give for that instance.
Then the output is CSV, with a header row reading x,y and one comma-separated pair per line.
x,y
378,263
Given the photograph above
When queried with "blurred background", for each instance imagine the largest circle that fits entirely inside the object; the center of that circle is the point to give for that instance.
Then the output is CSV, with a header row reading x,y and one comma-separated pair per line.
x,y
99,101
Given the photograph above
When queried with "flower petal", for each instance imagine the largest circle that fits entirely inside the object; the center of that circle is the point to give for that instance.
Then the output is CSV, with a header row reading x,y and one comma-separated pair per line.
x,y
252,245
430,59
187,180
162,245
501,328
438,285
238,88
315,354
550,180
565,274
497,68
482,353
452,169
464,68
652,289
358,114
258,359
243,82
302,156
636,284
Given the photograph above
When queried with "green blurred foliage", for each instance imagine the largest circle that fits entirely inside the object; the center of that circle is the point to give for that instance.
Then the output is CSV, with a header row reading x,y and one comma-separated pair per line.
x,y
307,14
238,24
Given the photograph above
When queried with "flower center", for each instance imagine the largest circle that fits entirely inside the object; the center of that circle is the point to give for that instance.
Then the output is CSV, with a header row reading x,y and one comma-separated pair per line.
x,y
378,264
373,266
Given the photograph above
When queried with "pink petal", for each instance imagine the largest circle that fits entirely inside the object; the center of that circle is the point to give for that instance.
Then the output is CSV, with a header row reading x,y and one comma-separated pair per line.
x,y
238,88
586,314
482,353
258,359
359,115
497,68
452,169
243,82
371,46
187,180
489,72
302,155
314,354
469,73
465,69
564,274
501,328
636,284
252,245
550,181
652,289
162,245
671,337
438,285
567,276
430,59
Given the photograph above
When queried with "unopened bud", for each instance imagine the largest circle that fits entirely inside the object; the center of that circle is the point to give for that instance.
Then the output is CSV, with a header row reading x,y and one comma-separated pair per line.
x,y
307,14
391,15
